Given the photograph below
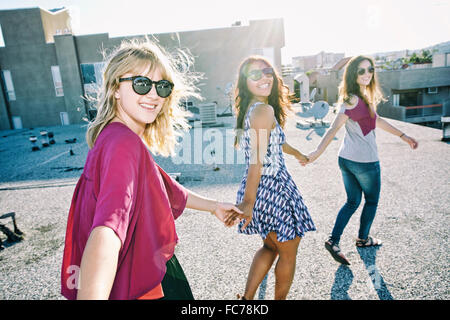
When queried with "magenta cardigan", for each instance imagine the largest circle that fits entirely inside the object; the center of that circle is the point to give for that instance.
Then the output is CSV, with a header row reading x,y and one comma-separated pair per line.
x,y
122,188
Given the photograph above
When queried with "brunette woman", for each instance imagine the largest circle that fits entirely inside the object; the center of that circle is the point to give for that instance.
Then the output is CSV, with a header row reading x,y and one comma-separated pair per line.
x,y
358,156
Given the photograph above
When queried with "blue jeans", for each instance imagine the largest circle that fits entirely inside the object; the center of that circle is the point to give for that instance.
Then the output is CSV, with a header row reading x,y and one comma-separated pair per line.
x,y
359,177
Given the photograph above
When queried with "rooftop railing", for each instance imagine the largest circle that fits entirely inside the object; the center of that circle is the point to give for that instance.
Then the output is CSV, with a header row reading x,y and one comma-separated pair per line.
x,y
423,111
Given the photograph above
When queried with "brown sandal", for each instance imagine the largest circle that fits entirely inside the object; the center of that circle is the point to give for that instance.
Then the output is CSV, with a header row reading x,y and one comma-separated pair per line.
x,y
334,250
369,242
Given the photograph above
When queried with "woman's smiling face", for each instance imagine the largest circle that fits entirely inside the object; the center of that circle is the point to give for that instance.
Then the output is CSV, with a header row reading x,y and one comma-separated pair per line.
x,y
139,110
364,79
261,88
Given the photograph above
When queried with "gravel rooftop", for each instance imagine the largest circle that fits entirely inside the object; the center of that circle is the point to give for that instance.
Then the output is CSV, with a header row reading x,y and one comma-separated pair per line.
x,y
412,217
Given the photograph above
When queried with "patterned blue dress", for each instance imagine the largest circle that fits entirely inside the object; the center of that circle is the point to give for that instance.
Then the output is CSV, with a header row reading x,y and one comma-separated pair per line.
x,y
279,206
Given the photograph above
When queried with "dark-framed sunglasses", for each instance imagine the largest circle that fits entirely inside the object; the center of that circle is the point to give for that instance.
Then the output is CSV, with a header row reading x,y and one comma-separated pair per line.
x,y
257,74
362,71
142,85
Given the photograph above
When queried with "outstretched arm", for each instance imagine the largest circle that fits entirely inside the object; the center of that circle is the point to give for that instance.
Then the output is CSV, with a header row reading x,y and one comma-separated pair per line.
x,y
287,148
338,122
99,264
200,203
225,212
386,126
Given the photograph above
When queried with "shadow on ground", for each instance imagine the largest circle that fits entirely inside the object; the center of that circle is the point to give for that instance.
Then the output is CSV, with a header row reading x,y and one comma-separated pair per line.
x,y
343,277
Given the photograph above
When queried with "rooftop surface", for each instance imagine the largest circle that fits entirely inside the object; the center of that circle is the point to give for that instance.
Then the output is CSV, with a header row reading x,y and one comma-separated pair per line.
x,y
412,217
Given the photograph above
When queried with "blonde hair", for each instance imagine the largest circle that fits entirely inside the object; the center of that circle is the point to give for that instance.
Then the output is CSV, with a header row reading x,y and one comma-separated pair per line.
x,y
132,56
349,86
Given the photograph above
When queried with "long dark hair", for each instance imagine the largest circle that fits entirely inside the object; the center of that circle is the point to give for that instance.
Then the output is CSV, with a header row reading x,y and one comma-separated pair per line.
x,y
349,86
278,98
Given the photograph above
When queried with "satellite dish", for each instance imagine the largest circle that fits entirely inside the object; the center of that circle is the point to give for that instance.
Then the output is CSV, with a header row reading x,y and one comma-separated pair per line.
x,y
320,109
228,92
228,88
306,110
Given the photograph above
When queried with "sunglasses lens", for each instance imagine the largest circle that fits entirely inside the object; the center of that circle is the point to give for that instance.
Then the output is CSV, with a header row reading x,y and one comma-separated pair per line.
x,y
142,85
164,88
255,75
362,71
267,71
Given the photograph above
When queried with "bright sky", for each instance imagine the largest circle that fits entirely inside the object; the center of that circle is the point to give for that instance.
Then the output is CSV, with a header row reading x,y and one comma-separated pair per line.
x,y
344,26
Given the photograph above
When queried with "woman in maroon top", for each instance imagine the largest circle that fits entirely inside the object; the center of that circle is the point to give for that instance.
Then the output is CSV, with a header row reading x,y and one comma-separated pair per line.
x,y
120,232
359,94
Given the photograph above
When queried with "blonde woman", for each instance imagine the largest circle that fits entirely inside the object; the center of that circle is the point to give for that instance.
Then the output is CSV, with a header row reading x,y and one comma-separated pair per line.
x,y
121,235
358,156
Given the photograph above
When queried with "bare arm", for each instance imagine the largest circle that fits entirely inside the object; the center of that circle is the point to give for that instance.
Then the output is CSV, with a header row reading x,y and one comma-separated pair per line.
x,y
287,148
338,122
386,126
225,212
99,264
261,124
198,202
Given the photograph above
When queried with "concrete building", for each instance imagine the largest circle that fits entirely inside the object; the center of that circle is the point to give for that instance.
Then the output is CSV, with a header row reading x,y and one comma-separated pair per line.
x,y
326,81
310,66
416,95
322,60
46,70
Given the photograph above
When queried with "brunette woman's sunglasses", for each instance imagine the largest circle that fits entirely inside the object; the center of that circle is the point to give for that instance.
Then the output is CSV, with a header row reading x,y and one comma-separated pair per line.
x,y
257,74
142,85
362,71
